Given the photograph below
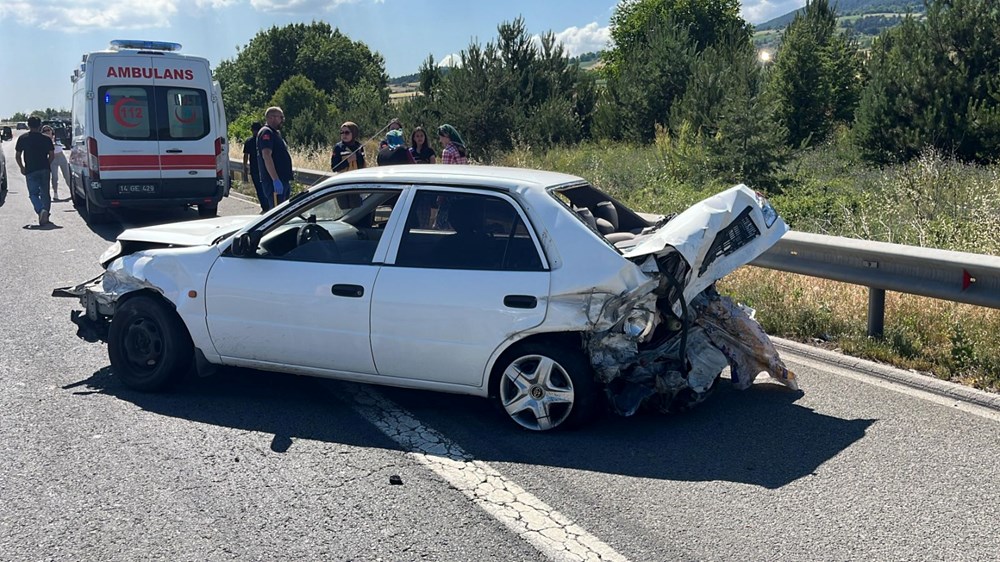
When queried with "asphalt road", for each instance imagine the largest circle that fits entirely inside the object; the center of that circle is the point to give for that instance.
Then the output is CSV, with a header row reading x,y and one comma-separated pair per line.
x,y
250,465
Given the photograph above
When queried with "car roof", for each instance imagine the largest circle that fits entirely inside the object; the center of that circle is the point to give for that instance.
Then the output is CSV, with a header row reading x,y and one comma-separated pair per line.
x,y
494,177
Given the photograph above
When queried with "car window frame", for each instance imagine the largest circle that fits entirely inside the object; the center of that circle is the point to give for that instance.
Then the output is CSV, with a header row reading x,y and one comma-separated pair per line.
x,y
393,250
300,202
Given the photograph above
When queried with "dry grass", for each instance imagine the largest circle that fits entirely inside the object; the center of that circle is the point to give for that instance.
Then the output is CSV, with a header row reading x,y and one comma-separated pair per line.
x,y
952,341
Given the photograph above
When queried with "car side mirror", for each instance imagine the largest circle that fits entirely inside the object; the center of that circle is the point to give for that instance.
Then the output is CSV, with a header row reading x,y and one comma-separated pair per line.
x,y
245,245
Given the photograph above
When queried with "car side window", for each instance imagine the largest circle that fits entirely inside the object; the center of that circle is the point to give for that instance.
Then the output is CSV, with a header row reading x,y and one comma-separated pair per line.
x,y
343,228
466,231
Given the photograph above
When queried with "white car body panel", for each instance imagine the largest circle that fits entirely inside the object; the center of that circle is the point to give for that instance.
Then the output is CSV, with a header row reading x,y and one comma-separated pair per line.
x,y
190,233
450,319
281,311
435,329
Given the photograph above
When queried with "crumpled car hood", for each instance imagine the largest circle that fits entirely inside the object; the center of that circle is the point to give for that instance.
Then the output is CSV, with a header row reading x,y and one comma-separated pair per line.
x,y
191,233
693,233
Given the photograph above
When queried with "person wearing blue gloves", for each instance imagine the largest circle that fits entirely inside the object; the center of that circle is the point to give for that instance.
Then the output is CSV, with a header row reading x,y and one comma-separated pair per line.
x,y
273,159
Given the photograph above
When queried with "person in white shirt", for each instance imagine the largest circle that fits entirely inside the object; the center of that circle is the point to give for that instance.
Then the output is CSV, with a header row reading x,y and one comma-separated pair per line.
x,y
58,162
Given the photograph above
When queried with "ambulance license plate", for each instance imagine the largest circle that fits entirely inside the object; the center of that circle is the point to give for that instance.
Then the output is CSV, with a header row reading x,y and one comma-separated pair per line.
x,y
137,188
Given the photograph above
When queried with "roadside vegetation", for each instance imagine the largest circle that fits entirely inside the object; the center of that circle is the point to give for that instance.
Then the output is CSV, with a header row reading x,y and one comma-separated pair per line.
x,y
898,142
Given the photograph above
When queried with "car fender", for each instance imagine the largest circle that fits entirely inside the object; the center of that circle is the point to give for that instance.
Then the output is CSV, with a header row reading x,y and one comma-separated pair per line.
x,y
179,275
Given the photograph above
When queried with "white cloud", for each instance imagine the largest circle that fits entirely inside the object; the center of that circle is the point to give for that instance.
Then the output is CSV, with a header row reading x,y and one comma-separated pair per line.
x,y
760,11
452,60
90,14
301,6
586,39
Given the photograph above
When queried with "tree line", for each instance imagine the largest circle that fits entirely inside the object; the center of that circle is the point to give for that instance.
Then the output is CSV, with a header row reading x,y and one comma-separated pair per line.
x,y
681,73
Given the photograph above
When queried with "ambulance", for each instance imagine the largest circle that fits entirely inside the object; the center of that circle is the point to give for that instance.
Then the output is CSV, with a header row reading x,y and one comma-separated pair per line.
x,y
149,130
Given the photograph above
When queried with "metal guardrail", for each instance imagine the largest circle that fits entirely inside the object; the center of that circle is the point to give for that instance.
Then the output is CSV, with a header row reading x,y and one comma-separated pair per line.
x,y
941,274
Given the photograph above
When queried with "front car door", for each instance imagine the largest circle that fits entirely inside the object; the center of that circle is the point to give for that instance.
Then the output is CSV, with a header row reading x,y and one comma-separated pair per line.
x,y
465,273
301,304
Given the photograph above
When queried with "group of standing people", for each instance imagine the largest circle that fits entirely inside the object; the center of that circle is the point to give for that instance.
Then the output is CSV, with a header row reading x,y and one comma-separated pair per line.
x,y
267,161
349,153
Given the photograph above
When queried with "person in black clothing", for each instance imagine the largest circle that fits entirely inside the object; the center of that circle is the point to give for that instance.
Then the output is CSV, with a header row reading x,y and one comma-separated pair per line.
x,y
273,159
250,164
348,154
37,151
420,149
395,151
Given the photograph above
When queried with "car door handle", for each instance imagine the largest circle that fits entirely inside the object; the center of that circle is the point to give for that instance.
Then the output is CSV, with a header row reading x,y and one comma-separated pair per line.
x,y
354,291
174,151
520,301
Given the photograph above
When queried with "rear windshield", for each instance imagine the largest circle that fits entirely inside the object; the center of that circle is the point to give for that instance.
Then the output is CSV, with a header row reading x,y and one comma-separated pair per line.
x,y
153,112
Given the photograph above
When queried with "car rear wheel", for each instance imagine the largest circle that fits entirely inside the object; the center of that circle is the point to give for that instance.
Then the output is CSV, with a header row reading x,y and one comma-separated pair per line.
x,y
78,201
542,387
148,344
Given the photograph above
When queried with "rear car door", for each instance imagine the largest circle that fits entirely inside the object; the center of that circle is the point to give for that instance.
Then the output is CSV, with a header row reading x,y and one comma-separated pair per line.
x,y
465,274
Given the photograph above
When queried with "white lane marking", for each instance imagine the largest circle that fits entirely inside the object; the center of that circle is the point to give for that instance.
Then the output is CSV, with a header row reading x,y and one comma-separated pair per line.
x,y
960,405
553,534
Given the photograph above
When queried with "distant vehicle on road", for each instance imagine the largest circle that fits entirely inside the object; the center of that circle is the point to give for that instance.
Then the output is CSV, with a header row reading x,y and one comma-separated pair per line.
x,y
62,130
148,130
6,134
3,160
22,126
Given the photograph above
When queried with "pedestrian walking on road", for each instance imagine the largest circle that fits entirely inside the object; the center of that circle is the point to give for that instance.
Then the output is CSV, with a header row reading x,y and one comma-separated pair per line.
x,y
33,153
273,159
59,163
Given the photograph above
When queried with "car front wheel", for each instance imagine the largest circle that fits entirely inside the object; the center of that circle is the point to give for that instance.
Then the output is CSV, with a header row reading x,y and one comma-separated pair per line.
x,y
148,344
543,387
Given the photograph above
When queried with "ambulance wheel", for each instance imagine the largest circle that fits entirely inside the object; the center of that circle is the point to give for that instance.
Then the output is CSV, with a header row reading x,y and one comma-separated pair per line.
x,y
148,344
78,201
208,210
95,214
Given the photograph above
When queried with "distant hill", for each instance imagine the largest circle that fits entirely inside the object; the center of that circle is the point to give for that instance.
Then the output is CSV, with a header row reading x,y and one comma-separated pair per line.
x,y
851,8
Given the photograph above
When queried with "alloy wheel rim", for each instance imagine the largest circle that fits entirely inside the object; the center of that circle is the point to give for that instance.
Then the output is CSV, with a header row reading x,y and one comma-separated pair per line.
x,y
537,392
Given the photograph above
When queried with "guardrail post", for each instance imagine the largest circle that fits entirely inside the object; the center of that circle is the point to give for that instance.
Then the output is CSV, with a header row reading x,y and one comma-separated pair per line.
x,y
876,312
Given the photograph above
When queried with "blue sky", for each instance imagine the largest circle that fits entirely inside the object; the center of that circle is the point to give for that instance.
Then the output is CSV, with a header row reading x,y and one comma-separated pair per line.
x,y
41,40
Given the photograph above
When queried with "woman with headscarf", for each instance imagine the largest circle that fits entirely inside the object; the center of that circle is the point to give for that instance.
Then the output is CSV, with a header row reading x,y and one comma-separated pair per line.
x,y
454,151
348,154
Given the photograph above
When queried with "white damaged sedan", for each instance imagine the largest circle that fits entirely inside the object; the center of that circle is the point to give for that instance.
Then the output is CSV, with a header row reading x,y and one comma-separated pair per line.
x,y
532,288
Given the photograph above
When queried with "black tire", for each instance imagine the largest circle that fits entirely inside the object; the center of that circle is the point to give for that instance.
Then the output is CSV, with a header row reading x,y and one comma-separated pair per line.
x,y
78,201
208,210
148,344
95,214
569,371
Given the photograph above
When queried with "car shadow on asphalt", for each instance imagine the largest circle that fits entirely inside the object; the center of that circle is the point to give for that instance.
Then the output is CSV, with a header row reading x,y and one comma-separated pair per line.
x,y
285,406
759,436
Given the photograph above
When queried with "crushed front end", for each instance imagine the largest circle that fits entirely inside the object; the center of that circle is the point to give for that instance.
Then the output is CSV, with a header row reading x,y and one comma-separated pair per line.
x,y
664,344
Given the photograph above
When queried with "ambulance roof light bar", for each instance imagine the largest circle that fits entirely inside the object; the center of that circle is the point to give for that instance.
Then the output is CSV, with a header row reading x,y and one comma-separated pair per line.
x,y
119,44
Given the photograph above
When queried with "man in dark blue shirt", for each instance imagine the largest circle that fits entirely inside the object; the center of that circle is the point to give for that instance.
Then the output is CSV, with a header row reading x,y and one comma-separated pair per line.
x,y
273,159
